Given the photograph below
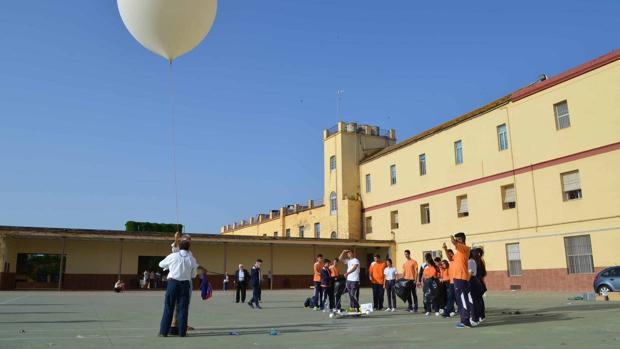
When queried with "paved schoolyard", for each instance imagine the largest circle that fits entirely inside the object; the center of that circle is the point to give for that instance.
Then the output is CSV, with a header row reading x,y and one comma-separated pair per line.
x,y
47,319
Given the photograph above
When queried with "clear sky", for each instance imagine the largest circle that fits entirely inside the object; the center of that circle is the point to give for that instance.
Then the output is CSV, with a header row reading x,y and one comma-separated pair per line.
x,y
85,110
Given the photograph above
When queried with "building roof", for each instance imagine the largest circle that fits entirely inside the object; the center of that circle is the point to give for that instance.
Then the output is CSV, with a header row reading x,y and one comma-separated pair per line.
x,y
117,235
512,97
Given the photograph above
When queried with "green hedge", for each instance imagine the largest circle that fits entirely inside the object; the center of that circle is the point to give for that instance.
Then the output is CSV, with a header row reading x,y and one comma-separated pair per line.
x,y
153,227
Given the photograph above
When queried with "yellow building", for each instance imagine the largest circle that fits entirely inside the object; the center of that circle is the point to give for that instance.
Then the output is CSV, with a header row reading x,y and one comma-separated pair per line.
x,y
531,177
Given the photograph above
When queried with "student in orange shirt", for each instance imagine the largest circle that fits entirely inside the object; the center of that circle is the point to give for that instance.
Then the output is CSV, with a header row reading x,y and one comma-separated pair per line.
x,y
375,273
444,287
410,271
460,274
318,290
338,281
429,277
451,299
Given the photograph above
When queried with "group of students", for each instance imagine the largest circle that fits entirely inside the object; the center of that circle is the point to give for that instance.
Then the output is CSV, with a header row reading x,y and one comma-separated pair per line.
x,y
458,279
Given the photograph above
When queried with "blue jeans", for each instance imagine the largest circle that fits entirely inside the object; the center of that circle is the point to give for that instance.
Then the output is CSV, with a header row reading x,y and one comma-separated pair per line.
x,y
461,289
353,287
449,308
318,294
255,294
177,292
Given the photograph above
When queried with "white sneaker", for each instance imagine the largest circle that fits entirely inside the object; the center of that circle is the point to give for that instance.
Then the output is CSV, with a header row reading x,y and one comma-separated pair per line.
x,y
474,323
388,309
481,320
393,309
452,314
437,314
427,313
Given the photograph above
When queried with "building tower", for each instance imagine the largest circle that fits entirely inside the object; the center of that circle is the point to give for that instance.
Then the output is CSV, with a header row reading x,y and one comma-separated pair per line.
x,y
345,145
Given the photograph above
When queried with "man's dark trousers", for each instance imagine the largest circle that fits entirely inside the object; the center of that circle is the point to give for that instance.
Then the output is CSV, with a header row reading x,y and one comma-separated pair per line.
x,y
461,290
177,293
318,293
240,287
377,296
255,294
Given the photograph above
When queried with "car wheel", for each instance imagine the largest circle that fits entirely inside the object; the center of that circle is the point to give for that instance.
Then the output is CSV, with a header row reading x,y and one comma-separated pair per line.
x,y
603,290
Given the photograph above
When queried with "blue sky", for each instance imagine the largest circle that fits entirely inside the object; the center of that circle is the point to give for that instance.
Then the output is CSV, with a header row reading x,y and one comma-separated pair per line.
x,y
85,110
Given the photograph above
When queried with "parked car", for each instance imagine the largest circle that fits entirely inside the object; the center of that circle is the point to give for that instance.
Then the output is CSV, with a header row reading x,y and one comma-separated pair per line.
x,y
608,280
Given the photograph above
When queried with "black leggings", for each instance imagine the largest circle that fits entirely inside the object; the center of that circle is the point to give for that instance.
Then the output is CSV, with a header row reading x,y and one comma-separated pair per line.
x,y
430,296
391,294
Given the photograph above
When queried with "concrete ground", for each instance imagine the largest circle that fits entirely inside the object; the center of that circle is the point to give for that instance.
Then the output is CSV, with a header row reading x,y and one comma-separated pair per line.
x,y
47,319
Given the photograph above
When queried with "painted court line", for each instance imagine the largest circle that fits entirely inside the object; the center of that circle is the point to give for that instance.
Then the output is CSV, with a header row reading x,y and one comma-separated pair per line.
x,y
14,299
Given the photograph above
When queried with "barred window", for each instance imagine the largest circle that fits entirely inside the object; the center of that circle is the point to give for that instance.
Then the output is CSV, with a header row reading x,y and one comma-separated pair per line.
x,y
332,163
333,205
513,255
579,254
562,118
422,163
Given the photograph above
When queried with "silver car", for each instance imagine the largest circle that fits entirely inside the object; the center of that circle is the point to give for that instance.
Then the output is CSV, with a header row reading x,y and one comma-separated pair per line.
x,y
608,280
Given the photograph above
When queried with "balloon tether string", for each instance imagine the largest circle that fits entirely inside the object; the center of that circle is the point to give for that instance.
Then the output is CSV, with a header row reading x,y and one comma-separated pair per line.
x,y
174,140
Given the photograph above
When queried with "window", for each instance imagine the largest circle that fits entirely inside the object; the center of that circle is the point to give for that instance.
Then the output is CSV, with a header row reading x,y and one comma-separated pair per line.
x,y
317,230
333,208
394,219
509,199
612,272
301,231
434,254
579,254
502,137
422,162
458,152
513,256
368,188
368,225
562,119
275,234
462,206
425,213
288,233
332,163
334,235
571,186
393,174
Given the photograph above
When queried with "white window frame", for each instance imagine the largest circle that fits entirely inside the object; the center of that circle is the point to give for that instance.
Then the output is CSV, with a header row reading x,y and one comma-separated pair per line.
x,y
579,259
502,137
560,125
513,263
368,183
422,164
333,203
332,163
458,152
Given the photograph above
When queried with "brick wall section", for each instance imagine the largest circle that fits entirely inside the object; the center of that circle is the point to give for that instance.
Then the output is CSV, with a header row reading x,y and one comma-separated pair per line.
x,y
542,280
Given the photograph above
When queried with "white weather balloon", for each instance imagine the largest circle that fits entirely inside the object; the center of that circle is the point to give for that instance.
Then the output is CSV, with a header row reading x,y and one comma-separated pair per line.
x,y
169,28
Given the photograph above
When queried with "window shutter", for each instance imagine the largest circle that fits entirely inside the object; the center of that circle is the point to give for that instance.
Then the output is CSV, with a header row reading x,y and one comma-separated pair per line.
x,y
570,181
463,207
509,195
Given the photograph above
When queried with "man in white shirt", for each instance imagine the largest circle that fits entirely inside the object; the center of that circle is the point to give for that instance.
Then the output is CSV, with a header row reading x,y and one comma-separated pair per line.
x,y
353,278
182,266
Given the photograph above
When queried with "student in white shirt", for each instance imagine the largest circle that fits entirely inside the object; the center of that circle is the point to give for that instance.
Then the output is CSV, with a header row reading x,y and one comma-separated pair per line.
x,y
353,278
182,268
390,282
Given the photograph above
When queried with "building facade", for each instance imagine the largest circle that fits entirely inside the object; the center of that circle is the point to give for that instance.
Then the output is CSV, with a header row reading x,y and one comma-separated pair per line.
x,y
532,178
